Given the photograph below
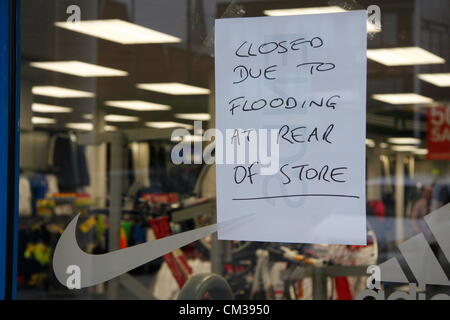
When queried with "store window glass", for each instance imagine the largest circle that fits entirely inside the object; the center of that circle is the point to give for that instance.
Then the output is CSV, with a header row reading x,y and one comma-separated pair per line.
x,y
104,84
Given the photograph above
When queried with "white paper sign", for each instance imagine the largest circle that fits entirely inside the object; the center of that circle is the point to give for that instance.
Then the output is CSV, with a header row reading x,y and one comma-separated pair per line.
x,y
302,81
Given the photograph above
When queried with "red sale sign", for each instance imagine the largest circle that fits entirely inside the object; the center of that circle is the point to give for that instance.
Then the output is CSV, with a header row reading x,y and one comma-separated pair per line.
x,y
438,133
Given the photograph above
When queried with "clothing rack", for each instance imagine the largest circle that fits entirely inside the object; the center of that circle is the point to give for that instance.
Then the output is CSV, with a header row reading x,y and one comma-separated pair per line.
x,y
118,141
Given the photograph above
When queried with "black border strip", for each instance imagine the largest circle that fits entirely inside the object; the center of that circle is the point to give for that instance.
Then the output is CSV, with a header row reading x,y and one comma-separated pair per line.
x,y
13,121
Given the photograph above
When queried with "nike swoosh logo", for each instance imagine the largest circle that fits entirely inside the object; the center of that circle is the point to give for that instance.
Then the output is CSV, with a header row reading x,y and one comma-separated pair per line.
x,y
99,268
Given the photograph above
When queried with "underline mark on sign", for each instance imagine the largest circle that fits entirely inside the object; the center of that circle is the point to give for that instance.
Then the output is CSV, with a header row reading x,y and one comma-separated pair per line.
x,y
298,195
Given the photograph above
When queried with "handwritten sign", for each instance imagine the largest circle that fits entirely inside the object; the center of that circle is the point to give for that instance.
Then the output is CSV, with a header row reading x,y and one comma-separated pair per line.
x,y
294,89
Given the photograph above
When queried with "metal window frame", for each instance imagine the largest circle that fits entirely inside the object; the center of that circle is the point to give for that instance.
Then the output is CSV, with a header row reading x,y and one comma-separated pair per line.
x,y
9,143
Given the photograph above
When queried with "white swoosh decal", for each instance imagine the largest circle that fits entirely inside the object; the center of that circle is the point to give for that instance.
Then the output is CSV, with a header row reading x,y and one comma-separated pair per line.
x,y
99,268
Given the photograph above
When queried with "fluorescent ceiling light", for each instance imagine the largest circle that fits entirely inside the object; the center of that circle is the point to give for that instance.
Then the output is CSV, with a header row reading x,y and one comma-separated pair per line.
x,y
119,31
403,56
438,79
383,145
80,126
421,151
404,148
167,124
78,68
110,128
402,98
87,126
48,108
120,118
88,116
174,88
370,143
42,120
404,140
313,10
193,116
137,105
59,92
188,138
298,11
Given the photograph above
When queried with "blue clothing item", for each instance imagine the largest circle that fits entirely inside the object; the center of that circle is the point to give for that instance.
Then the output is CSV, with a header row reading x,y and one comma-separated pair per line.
x,y
38,184
139,234
39,187
441,193
444,194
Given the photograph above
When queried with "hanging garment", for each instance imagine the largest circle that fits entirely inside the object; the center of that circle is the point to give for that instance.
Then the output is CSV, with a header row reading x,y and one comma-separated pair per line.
x,y
126,226
440,195
141,160
39,188
162,157
64,161
444,195
52,183
154,168
84,179
378,208
96,161
25,197
182,178
139,233
69,161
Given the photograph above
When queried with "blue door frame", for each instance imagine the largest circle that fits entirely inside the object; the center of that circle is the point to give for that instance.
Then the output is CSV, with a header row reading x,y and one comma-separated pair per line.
x,y
9,143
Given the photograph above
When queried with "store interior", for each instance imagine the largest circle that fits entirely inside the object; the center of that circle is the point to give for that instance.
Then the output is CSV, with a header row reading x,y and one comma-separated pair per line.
x,y
99,103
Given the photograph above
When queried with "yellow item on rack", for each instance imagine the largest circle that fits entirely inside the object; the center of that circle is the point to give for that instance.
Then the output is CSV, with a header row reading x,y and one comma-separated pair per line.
x,y
42,254
38,251
55,228
88,224
45,203
123,242
37,279
29,251
84,202
100,228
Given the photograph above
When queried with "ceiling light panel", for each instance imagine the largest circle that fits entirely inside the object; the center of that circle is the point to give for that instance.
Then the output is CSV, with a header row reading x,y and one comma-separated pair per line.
x,y
80,126
370,143
404,148
299,11
437,79
137,105
421,152
120,118
167,124
314,10
78,68
118,31
174,88
404,140
48,108
110,128
59,92
193,116
42,120
402,98
86,126
403,56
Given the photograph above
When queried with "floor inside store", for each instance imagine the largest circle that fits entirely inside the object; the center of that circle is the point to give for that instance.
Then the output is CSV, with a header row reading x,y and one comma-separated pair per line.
x,y
147,280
